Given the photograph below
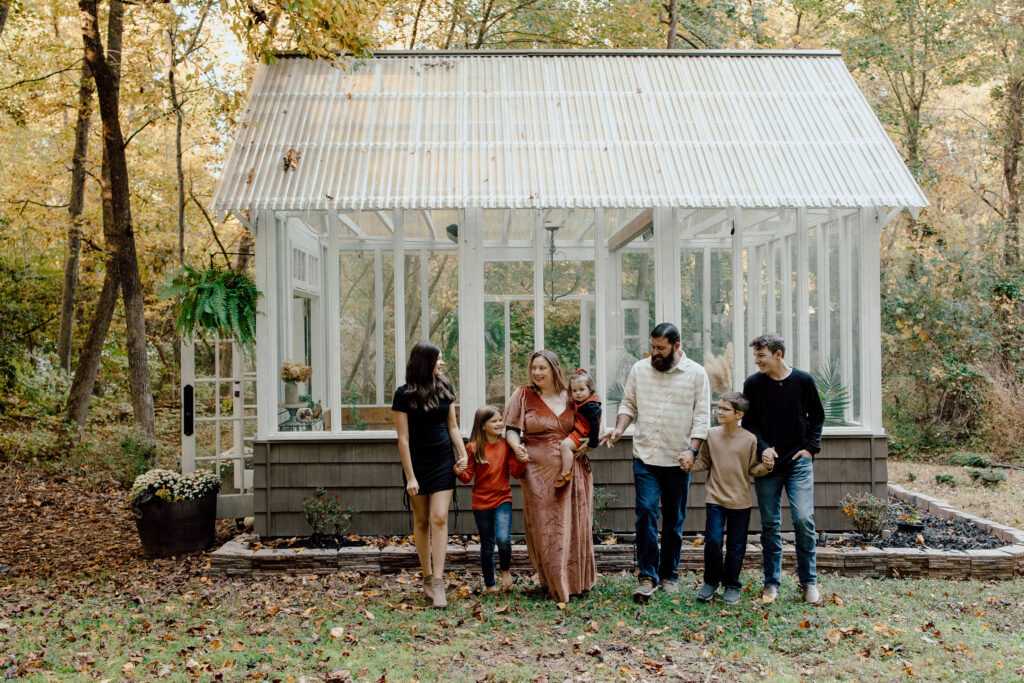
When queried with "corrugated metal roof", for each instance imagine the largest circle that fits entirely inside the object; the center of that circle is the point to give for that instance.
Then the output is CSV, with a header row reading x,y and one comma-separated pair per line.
x,y
549,129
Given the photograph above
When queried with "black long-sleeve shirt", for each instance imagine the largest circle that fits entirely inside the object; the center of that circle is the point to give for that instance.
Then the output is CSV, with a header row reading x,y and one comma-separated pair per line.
x,y
785,414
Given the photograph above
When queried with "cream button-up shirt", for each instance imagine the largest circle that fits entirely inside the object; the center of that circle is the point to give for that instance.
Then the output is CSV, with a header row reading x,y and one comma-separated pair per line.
x,y
668,409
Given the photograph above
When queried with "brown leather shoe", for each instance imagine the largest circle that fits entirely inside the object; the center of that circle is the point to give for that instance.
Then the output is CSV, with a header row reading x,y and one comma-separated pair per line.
x,y
769,594
437,587
811,594
428,589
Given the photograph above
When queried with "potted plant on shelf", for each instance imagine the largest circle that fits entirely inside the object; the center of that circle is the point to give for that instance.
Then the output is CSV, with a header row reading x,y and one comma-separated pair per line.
x,y
294,373
174,513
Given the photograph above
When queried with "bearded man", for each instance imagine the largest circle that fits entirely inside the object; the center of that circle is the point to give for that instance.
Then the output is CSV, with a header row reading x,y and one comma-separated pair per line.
x,y
669,397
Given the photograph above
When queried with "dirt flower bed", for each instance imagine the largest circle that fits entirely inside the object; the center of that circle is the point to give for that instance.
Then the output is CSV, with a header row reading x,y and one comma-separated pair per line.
x,y
939,534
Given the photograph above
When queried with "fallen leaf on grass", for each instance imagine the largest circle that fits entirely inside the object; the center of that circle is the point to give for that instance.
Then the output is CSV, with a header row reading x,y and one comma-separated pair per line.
x,y
238,646
337,632
833,636
804,624
836,600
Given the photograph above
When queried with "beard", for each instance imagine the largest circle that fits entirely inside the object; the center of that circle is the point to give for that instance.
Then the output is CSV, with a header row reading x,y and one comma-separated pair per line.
x,y
662,363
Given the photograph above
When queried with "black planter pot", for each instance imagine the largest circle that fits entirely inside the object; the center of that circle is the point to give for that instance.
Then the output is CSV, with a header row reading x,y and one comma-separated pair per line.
x,y
177,528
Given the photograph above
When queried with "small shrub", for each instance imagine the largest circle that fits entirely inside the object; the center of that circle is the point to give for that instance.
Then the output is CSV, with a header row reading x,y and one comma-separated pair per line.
x,y
138,453
945,480
868,515
603,497
326,515
987,477
967,460
911,476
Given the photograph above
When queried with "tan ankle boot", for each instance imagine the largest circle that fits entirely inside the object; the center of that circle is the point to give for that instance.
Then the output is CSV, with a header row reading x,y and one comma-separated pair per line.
x,y
437,588
428,587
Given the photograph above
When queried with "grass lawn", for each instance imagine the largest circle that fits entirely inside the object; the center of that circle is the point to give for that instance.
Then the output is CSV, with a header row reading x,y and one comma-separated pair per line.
x,y
174,623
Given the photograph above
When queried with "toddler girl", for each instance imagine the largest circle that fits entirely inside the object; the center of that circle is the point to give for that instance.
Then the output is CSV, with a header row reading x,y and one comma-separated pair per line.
x,y
588,422
492,461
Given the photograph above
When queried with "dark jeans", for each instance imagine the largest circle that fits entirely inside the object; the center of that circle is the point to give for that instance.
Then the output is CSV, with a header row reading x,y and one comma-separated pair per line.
x,y
494,526
799,485
725,522
667,487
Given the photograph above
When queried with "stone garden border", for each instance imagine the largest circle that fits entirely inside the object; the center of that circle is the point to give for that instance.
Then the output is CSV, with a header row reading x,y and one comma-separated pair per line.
x,y
235,559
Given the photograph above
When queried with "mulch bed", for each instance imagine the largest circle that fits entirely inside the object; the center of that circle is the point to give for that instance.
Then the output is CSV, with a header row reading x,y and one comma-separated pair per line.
x,y
940,534
53,527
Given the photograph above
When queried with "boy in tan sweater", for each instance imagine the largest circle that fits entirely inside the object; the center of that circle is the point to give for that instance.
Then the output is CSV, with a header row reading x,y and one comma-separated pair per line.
x,y
730,453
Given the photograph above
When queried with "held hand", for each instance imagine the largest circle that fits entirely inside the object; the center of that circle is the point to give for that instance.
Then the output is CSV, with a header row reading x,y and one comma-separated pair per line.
x,y
582,450
769,458
412,487
522,455
685,461
461,464
609,438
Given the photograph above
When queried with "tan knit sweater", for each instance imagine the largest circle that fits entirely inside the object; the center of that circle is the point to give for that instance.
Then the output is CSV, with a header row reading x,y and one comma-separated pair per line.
x,y
731,459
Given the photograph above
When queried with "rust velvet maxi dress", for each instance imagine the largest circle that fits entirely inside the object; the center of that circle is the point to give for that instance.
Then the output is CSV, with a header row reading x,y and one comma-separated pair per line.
x,y
559,522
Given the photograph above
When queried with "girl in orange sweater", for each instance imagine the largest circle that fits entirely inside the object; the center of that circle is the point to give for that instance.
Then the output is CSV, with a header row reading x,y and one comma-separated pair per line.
x,y
492,462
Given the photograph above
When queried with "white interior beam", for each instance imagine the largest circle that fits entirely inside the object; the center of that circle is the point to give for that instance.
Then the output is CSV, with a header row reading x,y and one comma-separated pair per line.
x,y
266,325
824,286
378,308
786,290
386,220
472,367
347,221
635,227
667,295
803,317
428,218
771,300
871,318
539,245
705,296
400,331
600,305
846,310
333,314
738,332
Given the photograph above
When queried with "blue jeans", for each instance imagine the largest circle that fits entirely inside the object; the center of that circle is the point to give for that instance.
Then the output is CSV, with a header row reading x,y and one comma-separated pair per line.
x,y
494,526
667,487
721,522
799,485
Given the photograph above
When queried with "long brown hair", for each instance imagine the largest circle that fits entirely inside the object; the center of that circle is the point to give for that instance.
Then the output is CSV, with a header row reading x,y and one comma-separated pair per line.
x,y
424,390
556,370
477,436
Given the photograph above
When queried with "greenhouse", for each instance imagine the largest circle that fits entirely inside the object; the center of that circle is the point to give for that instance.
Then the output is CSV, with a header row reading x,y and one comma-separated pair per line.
x,y
500,202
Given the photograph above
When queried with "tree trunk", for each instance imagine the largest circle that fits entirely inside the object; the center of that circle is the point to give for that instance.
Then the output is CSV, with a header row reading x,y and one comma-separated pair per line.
x,y
4,6
179,120
1013,146
92,349
75,203
673,21
123,254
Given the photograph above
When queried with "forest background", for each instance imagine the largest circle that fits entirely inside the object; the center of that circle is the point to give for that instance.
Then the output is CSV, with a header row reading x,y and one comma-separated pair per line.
x,y
110,148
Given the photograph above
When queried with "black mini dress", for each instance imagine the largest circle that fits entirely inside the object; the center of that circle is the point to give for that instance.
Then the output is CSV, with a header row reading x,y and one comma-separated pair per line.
x,y
430,445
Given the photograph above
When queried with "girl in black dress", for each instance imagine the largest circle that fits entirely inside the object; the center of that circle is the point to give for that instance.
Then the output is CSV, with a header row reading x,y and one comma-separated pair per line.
x,y
428,441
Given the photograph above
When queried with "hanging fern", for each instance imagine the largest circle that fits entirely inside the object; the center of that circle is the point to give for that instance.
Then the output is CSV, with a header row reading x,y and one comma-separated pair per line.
x,y
216,300
835,398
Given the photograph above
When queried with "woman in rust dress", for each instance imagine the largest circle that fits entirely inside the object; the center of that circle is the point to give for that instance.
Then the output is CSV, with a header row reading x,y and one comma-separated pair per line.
x,y
559,521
